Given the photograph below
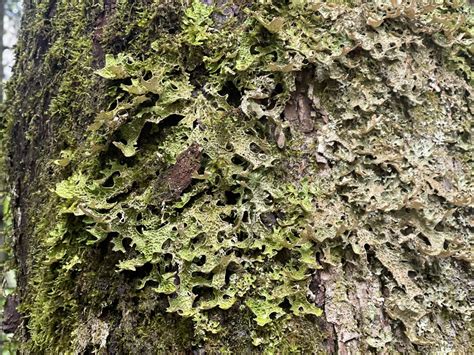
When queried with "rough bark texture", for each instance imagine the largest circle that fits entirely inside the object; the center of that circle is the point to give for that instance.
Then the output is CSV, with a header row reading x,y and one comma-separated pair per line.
x,y
242,176
2,48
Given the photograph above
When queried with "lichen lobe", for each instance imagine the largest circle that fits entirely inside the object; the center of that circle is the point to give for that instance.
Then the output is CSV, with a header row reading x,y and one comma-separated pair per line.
x,y
309,172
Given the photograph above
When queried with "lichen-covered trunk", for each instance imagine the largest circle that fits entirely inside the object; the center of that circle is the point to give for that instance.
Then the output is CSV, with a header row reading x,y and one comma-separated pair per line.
x,y
242,176
2,47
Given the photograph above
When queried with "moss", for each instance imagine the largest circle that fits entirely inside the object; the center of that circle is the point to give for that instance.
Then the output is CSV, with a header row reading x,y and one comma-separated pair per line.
x,y
234,158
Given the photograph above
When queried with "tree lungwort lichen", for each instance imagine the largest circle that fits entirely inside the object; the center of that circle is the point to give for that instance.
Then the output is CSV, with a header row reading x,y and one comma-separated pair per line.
x,y
257,166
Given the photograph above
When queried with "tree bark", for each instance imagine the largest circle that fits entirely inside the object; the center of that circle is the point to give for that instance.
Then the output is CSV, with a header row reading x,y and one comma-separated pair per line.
x,y
2,46
242,176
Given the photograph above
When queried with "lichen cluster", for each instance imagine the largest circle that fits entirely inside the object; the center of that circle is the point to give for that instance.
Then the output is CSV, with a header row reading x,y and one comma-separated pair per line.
x,y
261,165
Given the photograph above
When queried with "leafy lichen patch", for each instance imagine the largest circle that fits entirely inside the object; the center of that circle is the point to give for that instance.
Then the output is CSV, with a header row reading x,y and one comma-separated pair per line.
x,y
249,173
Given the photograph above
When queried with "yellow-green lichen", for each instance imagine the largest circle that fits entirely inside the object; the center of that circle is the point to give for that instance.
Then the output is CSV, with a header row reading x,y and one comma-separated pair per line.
x,y
249,173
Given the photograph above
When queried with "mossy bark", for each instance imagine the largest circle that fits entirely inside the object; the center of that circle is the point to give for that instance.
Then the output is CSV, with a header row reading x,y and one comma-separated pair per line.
x,y
242,176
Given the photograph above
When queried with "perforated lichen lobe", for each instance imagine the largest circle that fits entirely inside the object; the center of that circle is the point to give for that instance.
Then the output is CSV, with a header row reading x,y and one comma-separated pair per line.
x,y
302,185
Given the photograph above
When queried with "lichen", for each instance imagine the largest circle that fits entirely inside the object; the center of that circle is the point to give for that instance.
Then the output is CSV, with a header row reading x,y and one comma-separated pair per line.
x,y
238,158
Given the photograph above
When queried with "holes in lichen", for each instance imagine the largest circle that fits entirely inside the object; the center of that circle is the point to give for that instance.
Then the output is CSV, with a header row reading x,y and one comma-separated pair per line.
x,y
278,89
249,131
109,182
245,217
152,99
205,159
113,105
123,195
151,283
147,75
268,219
231,219
148,134
256,148
111,236
154,210
170,121
198,77
268,200
424,239
117,197
140,271
295,233
231,197
254,49
446,245
242,235
121,217
274,56
419,299
283,255
151,132
172,267
139,228
356,52
285,305
240,161
198,239
232,268
236,177
344,198
439,227
318,257
203,293
200,260
221,236
233,252
127,243
234,96
407,230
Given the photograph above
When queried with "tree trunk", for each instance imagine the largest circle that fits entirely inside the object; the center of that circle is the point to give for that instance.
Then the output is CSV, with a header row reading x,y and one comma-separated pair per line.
x,y
242,176
2,46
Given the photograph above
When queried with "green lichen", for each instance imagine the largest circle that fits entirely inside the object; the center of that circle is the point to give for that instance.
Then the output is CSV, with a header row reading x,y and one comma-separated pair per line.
x,y
238,160
197,23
